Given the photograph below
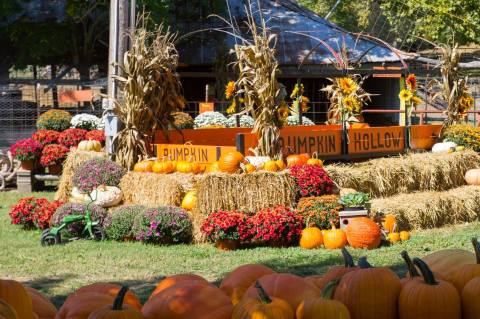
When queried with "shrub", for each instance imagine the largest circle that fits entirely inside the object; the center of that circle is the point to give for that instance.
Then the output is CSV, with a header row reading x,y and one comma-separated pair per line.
x,y
72,137
319,211
119,223
163,225
182,120
245,121
31,212
53,154
96,135
312,180
210,119
56,120
226,225
278,225
46,137
43,215
96,172
26,150
75,229
87,122
464,135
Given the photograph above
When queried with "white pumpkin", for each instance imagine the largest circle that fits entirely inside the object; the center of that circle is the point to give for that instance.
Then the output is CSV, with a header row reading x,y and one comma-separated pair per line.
x,y
78,196
257,160
444,147
107,196
472,176
89,145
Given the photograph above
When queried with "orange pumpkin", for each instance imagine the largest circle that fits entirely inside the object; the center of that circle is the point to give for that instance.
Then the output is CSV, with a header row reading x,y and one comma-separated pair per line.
x,y
163,167
197,168
239,280
118,310
446,262
6,311
393,238
465,273
110,290
262,307
230,162
389,223
42,307
369,292
470,304
311,238
15,294
80,306
175,279
428,298
334,238
294,160
270,166
472,176
188,300
315,160
291,288
250,168
144,166
280,164
189,202
363,232
404,235
185,167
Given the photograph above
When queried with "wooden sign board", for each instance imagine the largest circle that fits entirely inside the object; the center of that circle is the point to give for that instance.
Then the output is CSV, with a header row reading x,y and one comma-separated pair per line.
x,y
206,107
208,136
73,96
203,154
398,74
376,140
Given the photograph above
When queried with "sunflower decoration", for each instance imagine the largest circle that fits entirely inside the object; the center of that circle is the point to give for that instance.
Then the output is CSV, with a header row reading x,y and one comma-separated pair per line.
x,y
299,100
465,104
348,85
405,95
229,90
408,96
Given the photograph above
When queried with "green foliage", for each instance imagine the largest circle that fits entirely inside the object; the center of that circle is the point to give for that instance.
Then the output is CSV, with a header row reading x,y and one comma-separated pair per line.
x,y
319,211
119,223
464,135
358,199
55,120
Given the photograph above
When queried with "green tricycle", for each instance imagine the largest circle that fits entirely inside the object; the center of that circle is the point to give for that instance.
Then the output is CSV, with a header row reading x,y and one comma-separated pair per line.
x,y
92,229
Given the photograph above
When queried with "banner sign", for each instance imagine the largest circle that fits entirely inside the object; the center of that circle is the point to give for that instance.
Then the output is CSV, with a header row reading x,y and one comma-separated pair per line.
x,y
376,140
203,154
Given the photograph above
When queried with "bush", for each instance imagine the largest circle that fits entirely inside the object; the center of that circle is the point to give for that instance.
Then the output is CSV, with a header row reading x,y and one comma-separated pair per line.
x,y
53,154
43,215
96,172
31,212
96,135
56,120
226,225
319,211
46,137
75,229
163,225
119,223
312,180
87,122
464,135
279,225
209,119
26,150
182,120
72,137
245,121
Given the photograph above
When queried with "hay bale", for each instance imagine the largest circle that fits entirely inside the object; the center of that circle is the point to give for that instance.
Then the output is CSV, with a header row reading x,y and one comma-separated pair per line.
x,y
405,174
151,189
246,192
74,159
432,209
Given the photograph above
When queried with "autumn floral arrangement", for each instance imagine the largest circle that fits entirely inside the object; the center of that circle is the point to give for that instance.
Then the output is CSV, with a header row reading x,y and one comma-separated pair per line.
x,y
408,96
226,225
72,137
31,212
53,154
54,119
96,172
26,150
312,180
67,209
96,135
463,135
319,211
46,137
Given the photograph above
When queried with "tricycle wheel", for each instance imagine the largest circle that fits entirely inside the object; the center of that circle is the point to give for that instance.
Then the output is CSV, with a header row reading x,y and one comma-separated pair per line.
x,y
49,239
98,233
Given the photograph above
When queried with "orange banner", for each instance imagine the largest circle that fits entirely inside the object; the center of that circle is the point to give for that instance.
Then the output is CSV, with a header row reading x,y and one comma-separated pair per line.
x,y
376,140
202,154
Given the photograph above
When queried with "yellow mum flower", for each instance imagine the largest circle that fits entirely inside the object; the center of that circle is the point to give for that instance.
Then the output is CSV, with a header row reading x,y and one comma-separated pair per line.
x,y
416,100
229,90
405,95
347,85
351,104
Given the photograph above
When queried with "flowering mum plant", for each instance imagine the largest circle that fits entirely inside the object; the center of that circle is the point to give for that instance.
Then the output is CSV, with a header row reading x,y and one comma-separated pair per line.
x,y
26,150
96,135
96,172
44,214
72,137
57,120
275,225
209,119
163,225
31,212
87,122
319,211
222,225
46,137
312,180
53,154
75,229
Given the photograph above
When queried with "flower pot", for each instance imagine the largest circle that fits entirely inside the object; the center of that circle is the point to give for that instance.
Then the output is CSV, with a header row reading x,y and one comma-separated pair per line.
x,y
353,208
227,244
55,169
28,165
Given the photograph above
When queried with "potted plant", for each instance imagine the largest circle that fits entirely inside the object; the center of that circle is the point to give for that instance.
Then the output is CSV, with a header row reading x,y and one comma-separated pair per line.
x,y
27,151
52,157
226,229
355,201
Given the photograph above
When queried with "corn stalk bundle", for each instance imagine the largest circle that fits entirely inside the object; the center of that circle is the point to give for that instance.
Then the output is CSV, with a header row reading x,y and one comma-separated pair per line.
x,y
151,91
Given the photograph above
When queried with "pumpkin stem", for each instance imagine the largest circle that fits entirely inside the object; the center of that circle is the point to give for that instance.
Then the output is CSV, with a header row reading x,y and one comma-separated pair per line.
x,y
118,302
262,293
363,263
476,247
427,274
410,266
347,258
329,288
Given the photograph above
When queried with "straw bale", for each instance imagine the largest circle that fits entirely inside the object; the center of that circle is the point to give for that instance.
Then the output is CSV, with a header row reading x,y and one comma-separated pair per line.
x,y
246,192
432,209
406,174
74,159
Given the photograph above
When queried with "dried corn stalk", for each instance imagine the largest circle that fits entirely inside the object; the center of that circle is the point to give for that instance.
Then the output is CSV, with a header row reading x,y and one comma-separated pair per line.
x,y
151,90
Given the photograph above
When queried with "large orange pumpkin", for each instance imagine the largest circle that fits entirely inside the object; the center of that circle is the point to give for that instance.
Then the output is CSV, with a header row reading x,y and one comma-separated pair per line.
x,y
6,311
428,298
334,238
294,160
362,232
80,306
118,310
111,290
470,304
262,307
311,238
175,279
15,294
472,176
239,280
446,262
467,272
189,300
291,288
369,293
42,307
230,162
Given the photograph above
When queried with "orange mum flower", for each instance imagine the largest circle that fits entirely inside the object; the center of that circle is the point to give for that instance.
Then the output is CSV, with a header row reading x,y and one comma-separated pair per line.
x,y
412,82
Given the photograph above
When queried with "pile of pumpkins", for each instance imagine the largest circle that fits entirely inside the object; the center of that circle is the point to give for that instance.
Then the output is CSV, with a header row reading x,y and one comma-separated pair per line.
x,y
442,285
167,166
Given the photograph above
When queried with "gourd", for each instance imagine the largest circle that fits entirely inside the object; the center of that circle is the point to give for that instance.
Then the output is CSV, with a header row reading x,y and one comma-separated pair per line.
x,y
404,235
89,145
239,280
250,168
334,238
472,176
230,162
17,297
362,232
270,166
311,238
42,307
175,279
419,298
118,310
470,304
314,160
443,147
107,196
467,272
189,202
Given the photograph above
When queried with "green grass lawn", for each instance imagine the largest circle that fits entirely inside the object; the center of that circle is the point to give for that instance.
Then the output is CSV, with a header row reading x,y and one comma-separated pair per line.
x,y
58,270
